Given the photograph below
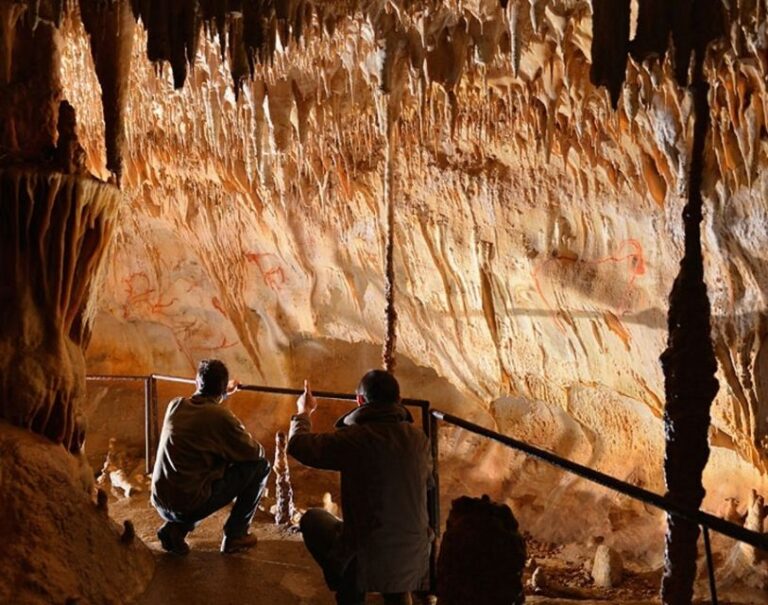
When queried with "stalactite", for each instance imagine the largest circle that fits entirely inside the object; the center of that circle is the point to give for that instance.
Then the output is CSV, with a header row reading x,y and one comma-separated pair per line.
x,y
111,29
173,28
610,44
514,34
689,362
260,30
30,85
695,23
653,27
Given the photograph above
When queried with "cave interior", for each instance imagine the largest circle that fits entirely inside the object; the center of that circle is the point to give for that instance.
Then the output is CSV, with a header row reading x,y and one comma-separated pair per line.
x,y
544,216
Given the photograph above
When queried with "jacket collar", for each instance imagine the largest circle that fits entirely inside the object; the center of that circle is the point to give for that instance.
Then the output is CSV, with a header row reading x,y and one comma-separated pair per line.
x,y
199,399
368,413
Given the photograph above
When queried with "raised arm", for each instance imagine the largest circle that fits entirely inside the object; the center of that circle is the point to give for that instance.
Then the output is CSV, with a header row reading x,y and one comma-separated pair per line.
x,y
319,450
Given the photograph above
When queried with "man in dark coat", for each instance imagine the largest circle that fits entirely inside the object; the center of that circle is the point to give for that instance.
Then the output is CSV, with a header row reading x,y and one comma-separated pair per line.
x,y
383,544
205,460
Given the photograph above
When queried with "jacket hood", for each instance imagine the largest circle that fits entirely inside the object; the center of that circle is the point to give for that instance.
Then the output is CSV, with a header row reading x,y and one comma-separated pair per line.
x,y
368,413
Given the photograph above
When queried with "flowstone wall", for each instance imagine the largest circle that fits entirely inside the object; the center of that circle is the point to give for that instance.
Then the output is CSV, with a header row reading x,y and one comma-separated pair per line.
x,y
537,235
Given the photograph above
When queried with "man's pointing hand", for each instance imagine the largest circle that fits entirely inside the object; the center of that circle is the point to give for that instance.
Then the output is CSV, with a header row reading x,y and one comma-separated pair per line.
x,y
306,403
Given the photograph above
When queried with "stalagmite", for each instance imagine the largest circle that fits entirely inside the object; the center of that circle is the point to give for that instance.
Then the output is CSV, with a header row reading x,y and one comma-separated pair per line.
x,y
54,229
482,555
284,507
129,532
755,521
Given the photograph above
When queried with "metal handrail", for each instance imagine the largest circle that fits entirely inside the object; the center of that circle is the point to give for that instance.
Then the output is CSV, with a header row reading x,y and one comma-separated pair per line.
x,y
258,388
696,517
115,378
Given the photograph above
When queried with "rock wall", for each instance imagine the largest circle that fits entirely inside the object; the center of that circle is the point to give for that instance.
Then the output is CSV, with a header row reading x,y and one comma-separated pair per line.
x,y
537,235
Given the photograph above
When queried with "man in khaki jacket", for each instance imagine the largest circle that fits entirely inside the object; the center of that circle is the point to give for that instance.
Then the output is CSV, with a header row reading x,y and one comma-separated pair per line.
x,y
205,460
383,543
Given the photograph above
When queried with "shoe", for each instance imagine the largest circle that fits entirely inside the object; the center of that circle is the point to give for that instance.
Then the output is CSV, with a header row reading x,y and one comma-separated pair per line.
x,y
171,537
230,545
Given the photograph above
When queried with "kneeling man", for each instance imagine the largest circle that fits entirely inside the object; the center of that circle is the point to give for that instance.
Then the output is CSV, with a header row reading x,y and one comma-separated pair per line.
x,y
205,460
383,543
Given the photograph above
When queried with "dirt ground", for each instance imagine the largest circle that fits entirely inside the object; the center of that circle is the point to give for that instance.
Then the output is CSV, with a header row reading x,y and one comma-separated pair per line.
x,y
278,571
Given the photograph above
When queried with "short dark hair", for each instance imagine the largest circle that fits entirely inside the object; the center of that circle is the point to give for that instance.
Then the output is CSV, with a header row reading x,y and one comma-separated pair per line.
x,y
379,387
212,376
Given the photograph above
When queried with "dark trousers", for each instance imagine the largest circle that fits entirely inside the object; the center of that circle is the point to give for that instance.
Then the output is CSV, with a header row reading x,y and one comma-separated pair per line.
x,y
321,531
243,482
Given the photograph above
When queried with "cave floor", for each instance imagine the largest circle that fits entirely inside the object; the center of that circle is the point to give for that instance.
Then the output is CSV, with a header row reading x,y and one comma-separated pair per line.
x,y
278,571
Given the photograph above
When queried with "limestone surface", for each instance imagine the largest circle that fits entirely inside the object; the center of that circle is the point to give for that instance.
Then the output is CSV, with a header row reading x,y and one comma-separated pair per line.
x,y
56,546
537,235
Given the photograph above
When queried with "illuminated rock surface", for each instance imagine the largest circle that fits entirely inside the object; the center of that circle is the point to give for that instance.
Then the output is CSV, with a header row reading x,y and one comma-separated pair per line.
x,y
537,234
57,547
537,229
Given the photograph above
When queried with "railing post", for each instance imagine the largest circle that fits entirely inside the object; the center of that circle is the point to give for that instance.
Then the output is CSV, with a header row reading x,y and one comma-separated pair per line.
x,y
154,421
148,456
433,499
710,564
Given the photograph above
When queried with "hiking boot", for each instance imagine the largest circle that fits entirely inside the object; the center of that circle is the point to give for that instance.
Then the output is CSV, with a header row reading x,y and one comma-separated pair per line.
x,y
171,536
230,545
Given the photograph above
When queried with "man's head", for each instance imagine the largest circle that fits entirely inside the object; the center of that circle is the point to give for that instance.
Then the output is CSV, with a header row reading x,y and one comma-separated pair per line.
x,y
212,378
378,387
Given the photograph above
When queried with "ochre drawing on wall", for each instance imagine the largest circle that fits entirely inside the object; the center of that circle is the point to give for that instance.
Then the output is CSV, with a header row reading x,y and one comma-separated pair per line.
x,y
147,301
607,284
271,272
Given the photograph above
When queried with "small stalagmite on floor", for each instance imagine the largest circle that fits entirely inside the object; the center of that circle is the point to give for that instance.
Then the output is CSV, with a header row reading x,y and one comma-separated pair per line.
x,y
284,509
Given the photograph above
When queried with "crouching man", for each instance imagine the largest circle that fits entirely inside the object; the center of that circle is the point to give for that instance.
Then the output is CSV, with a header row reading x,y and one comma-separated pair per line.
x,y
205,460
383,544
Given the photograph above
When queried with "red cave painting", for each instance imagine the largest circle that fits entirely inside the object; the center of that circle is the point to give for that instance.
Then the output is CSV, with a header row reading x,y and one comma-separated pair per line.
x,y
272,273
218,306
185,334
138,293
628,261
145,302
